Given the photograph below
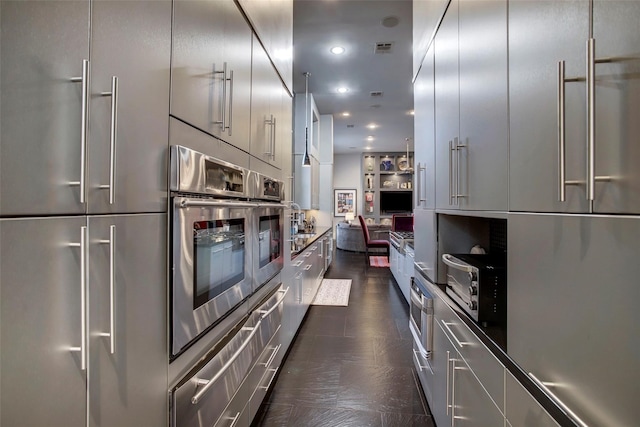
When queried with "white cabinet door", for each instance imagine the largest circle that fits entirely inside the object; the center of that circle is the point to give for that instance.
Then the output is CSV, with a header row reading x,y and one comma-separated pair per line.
x,y
211,69
43,47
128,300
42,313
128,139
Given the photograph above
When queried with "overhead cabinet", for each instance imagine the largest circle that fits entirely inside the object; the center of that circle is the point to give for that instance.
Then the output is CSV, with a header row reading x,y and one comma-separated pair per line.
x,y
269,113
211,69
424,135
83,310
573,112
471,106
84,130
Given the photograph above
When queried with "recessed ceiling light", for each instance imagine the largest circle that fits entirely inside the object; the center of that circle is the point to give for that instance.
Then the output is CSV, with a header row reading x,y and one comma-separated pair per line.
x,y
346,114
372,125
368,148
411,113
337,50
370,138
342,90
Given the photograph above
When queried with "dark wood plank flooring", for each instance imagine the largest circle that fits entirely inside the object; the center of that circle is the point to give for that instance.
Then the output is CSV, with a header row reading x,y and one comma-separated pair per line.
x,y
351,366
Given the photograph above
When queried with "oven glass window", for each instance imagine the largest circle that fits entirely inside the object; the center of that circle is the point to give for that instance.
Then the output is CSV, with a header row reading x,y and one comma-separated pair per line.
x,y
219,253
416,315
269,239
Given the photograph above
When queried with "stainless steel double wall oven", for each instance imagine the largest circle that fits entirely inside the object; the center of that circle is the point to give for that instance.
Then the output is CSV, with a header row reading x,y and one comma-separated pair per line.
x,y
225,242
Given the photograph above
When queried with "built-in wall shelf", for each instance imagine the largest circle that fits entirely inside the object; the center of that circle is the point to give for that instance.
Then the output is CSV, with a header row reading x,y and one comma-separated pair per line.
x,y
387,182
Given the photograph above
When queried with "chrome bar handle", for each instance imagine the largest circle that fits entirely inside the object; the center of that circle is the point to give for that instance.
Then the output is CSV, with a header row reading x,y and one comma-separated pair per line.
x,y
545,387
451,199
446,325
273,140
458,148
84,127
208,383
216,203
234,420
224,94
418,186
272,309
113,138
448,380
276,350
308,267
268,143
423,169
230,126
112,289
591,116
275,371
561,133
83,298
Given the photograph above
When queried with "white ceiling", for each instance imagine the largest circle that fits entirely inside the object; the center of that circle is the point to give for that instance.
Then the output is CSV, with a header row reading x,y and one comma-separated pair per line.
x,y
357,25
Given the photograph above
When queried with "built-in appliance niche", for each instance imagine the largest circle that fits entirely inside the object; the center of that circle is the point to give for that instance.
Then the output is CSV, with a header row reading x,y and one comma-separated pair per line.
x,y
457,234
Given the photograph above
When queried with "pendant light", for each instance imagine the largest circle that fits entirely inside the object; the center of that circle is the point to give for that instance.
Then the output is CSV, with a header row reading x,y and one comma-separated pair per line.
x,y
306,161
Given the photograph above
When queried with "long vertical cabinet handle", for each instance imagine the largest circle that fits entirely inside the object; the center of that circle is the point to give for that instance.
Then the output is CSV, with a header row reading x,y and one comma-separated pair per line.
x,y
84,127
112,289
83,298
451,199
562,148
268,144
113,138
224,94
273,140
418,186
591,119
458,148
422,187
230,125
591,116
561,133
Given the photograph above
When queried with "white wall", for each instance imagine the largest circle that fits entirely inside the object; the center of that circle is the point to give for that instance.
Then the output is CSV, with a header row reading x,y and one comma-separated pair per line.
x,y
347,174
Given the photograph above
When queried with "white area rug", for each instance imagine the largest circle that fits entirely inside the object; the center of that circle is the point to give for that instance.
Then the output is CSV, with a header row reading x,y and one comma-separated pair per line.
x,y
333,292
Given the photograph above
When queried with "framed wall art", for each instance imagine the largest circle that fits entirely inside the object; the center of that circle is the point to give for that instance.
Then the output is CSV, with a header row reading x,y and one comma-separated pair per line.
x,y
344,201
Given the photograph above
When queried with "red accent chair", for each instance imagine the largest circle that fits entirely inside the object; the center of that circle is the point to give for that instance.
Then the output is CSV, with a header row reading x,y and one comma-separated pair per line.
x,y
368,243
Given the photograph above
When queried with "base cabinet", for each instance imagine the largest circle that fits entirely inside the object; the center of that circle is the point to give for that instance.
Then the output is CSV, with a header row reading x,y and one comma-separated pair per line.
x,y
91,316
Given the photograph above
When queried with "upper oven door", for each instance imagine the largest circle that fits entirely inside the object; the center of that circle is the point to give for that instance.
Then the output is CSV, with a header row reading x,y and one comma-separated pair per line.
x,y
269,242
212,259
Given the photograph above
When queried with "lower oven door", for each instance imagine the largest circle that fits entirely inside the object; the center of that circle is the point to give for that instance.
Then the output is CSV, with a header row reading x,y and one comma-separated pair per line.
x,y
268,247
211,260
217,391
421,317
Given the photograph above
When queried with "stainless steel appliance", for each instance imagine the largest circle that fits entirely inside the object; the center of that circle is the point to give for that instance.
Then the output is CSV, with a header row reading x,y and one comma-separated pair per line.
x,y
269,224
477,282
400,239
211,242
421,318
227,388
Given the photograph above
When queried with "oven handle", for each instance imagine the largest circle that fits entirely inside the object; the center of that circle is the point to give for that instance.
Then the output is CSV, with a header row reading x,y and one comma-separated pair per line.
x,y
217,203
271,205
208,383
448,259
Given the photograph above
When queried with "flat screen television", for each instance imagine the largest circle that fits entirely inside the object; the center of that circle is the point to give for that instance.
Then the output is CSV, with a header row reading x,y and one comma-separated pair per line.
x,y
396,202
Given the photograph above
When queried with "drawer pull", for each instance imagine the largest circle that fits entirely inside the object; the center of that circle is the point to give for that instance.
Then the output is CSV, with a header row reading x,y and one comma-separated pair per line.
x,y
460,343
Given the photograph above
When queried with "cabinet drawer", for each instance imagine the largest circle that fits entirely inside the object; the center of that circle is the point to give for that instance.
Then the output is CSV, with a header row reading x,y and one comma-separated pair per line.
x,y
521,408
485,366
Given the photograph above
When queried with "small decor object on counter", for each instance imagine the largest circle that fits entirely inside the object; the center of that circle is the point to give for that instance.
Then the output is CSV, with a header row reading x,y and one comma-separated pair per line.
x,y
344,202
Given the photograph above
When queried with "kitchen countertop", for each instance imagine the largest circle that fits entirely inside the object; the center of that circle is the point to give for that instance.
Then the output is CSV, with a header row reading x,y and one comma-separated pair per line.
x,y
302,241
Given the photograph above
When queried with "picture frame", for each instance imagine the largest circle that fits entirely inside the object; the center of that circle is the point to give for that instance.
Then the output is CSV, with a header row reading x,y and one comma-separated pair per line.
x,y
344,201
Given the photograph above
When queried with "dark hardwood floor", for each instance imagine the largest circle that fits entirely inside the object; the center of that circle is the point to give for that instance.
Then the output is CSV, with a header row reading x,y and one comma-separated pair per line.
x,y
351,366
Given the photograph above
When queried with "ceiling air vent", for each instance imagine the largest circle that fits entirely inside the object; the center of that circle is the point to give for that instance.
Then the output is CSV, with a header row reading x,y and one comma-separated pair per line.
x,y
376,94
384,47
350,126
